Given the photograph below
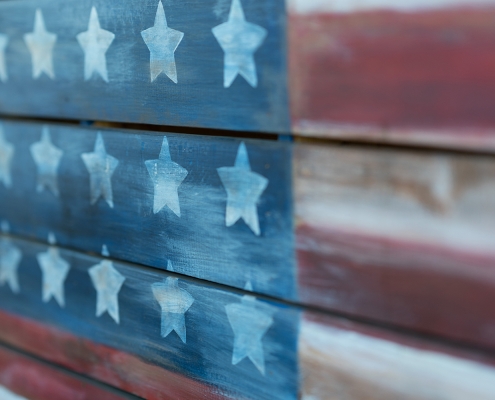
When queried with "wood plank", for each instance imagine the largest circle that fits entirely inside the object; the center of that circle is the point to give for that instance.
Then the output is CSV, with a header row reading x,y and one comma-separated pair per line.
x,y
414,72
231,343
346,361
24,376
181,220
194,85
402,237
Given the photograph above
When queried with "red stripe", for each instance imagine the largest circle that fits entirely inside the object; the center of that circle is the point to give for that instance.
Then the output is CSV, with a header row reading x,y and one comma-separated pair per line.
x,y
102,363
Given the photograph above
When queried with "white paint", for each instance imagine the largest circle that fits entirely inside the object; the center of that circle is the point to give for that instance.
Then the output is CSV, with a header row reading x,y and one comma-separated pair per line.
x,y
174,303
10,257
4,40
55,270
167,177
162,42
104,251
107,281
239,40
244,189
350,6
6,155
249,324
400,370
95,43
47,158
101,167
40,43
6,394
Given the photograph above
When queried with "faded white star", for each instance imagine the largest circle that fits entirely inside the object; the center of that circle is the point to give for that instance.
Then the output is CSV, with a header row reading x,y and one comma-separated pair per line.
x,y
4,40
10,257
239,40
6,155
249,324
47,158
95,43
244,189
55,270
107,282
167,177
174,303
101,167
162,42
40,43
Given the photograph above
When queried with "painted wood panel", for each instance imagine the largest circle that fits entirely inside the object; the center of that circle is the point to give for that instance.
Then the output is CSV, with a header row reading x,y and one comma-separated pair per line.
x,y
155,199
242,346
402,237
415,72
21,375
346,361
211,64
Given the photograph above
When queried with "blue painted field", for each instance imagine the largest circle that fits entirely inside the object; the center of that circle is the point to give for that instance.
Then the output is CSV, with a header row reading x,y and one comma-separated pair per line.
x,y
244,346
219,209
208,63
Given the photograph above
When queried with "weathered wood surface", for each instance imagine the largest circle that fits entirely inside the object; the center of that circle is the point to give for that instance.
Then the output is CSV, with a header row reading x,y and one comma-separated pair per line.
x,y
343,361
212,220
415,71
403,237
241,346
198,73
35,380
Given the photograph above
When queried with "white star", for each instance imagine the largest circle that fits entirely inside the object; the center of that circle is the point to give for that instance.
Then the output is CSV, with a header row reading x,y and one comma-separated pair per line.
x,y
47,158
95,43
101,167
4,40
6,154
55,270
107,282
10,257
244,189
167,177
162,42
40,43
174,303
239,40
249,325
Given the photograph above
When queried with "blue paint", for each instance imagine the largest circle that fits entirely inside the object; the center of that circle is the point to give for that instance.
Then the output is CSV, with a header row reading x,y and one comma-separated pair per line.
x,y
199,98
207,354
198,243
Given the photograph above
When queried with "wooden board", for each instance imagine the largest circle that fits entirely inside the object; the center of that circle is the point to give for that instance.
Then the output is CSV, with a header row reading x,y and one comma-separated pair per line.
x,y
402,237
241,346
21,375
182,220
348,361
416,71
119,81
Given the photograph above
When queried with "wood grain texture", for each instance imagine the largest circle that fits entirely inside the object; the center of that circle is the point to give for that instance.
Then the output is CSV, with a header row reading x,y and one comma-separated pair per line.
x,y
214,353
116,368
401,237
132,231
403,72
346,361
198,99
35,380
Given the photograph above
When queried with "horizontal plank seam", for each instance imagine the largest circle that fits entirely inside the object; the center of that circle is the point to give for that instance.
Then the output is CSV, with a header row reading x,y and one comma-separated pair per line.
x,y
69,372
344,317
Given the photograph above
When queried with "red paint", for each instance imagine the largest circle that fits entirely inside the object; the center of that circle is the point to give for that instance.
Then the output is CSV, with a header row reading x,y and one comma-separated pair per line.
x,y
102,363
38,381
426,288
432,71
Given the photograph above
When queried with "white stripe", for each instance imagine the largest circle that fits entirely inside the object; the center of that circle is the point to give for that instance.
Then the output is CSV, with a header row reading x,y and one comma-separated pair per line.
x,y
349,6
6,394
